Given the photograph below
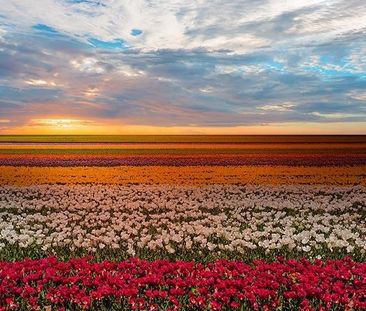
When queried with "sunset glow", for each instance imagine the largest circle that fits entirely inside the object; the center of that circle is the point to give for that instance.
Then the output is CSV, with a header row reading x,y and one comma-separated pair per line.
x,y
59,123
83,127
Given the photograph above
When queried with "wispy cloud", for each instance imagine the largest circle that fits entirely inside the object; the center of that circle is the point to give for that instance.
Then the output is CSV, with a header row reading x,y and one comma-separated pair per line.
x,y
40,82
277,107
151,25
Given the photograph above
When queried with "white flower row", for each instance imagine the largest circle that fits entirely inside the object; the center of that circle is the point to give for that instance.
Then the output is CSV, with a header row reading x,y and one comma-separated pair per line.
x,y
180,218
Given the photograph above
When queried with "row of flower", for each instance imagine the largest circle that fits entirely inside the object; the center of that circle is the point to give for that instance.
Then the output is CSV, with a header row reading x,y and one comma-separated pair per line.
x,y
164,285
184,175
179,221
85,159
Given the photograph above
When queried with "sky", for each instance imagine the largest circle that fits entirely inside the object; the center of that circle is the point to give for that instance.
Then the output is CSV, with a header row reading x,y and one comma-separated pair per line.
x,y
182,67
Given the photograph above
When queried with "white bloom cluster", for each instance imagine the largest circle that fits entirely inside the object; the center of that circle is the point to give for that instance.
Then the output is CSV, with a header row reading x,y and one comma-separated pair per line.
x,y
214,218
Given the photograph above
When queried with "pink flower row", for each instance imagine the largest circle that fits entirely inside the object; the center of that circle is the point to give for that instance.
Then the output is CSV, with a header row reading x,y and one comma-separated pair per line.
x,y
176,160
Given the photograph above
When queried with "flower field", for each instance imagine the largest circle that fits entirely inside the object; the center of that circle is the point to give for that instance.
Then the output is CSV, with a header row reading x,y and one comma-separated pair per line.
x,y
185,222
184,175
164,285
259,229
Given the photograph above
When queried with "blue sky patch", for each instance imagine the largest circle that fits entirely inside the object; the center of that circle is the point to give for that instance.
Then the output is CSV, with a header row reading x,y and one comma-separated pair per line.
x,y
45,28
114,44
136,32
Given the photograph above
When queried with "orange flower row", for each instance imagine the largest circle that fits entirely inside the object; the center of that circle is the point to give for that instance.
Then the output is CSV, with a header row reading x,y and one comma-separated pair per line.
x,y
186,175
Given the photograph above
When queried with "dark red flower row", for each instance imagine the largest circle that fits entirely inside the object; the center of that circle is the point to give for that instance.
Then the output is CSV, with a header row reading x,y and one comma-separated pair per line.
x,y
223,285
187,160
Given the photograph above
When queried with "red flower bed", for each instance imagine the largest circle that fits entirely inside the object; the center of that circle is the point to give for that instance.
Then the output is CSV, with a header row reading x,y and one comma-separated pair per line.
x,y
223,285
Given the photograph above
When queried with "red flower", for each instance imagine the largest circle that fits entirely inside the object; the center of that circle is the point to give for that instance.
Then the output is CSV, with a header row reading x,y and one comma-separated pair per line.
x,y
218,285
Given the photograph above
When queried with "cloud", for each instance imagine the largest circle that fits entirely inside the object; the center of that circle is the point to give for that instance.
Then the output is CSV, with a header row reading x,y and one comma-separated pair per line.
x,y
40,82
240,26
358,95
91,92
88,64
346,117
278,107
179,63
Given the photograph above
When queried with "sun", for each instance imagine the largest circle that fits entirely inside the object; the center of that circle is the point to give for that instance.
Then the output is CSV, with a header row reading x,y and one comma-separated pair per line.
x,y
62,123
